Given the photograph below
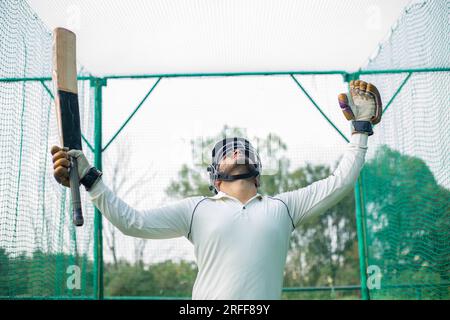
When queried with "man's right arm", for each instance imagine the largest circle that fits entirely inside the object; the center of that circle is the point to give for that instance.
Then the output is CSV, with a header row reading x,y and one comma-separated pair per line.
x,y
168,221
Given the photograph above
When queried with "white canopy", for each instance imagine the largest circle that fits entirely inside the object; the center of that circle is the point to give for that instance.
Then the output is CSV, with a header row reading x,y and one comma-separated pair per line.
x,y
181,36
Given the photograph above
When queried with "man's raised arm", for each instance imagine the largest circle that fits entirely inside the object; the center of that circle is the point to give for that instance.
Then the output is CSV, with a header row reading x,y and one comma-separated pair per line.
x,y
168,221
364,108
323,194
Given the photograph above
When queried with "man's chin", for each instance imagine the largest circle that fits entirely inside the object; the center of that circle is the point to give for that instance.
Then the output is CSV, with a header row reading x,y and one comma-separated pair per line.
x,y
236,169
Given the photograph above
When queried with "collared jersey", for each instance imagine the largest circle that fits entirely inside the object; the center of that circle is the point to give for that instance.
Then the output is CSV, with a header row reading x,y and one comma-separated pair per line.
x,y
240,248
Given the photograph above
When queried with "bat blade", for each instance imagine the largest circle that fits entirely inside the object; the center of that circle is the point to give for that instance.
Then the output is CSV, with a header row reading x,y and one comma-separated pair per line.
x,y
67,109
65,82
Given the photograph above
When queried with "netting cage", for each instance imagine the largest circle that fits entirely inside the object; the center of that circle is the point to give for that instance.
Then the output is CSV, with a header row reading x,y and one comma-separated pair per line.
x,y
388,239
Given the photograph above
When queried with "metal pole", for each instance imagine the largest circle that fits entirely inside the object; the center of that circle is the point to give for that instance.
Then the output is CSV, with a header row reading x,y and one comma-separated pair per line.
x,y
97,84
237,74
360,230
360,223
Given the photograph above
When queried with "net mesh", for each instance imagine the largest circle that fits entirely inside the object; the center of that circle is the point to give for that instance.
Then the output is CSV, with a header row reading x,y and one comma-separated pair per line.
x,y
406,179
38,242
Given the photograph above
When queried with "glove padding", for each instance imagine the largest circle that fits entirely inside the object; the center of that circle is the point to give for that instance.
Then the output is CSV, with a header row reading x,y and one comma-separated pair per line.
x,y
362,105
61,164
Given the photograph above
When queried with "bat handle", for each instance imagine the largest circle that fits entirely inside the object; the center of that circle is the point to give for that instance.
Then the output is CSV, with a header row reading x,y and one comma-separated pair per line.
x,y
77,214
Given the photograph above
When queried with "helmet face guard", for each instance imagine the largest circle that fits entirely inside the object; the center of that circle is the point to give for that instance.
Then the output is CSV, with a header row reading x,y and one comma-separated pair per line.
x,y
225,149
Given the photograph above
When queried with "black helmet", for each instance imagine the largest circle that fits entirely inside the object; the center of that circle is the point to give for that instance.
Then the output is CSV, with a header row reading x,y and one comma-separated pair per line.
x,y
230,145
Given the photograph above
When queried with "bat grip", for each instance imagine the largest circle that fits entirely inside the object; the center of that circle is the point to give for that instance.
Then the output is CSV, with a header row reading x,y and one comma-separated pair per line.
x,y
77,214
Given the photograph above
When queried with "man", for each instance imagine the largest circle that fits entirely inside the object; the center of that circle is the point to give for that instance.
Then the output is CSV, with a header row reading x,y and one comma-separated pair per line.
x,y
241,238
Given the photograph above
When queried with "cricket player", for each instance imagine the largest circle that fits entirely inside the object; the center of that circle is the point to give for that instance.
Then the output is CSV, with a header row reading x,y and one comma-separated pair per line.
x,y
240,237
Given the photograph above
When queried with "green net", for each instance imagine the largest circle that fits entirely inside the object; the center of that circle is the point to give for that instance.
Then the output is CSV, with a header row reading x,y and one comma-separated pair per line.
x,y
41,253
406,179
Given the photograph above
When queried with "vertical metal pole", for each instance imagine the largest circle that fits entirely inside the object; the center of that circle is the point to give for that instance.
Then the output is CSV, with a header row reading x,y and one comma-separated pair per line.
x,y
360,220
98,238
360,230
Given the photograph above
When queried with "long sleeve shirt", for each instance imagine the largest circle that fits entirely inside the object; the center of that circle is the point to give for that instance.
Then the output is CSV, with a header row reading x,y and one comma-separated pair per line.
x,y
240,248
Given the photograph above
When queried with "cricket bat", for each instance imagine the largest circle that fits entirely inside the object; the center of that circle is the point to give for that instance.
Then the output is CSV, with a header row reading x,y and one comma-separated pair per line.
x,y
67,110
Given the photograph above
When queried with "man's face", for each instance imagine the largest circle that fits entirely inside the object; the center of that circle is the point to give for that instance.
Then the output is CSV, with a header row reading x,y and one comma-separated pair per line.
x,y
233,163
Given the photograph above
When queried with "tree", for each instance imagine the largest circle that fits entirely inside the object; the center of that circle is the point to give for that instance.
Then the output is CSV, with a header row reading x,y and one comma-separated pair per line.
x,y
408,221
129,280
168,278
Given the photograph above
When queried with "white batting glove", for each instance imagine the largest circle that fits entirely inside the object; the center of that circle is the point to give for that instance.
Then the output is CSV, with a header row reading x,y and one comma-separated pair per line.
x,y
83,163
363,106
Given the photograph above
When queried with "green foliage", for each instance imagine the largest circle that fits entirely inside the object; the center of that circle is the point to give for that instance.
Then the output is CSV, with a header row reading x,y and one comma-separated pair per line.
x,y
23,276
408,220
168,278
41,274
129,280
190,183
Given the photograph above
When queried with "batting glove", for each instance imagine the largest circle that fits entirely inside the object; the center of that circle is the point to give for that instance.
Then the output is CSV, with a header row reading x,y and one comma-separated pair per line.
x,y
363,106
61,164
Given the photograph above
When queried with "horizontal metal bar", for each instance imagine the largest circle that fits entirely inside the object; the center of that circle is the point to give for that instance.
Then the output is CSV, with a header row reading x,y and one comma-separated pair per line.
x,y
46,298
145,298
414,285
273,73
80,78
391,71
309,289
223,74
358,287
236,74
181,75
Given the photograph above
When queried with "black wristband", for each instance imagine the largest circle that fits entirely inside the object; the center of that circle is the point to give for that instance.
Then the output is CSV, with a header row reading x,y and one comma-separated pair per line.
x,y
90,178
362,127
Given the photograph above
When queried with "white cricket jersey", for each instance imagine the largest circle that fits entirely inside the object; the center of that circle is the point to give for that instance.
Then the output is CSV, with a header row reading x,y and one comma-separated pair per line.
x,y
240,248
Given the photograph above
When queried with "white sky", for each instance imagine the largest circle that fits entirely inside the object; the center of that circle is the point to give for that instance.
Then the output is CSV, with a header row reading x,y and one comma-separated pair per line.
x,y
136,37
178,36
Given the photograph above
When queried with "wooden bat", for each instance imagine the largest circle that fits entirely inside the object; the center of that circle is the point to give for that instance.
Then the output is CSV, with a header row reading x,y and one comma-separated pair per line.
x,y
67,110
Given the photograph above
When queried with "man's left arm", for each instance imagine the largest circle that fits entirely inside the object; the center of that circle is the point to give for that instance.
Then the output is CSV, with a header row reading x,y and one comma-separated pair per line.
x,y
363,107
323,194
